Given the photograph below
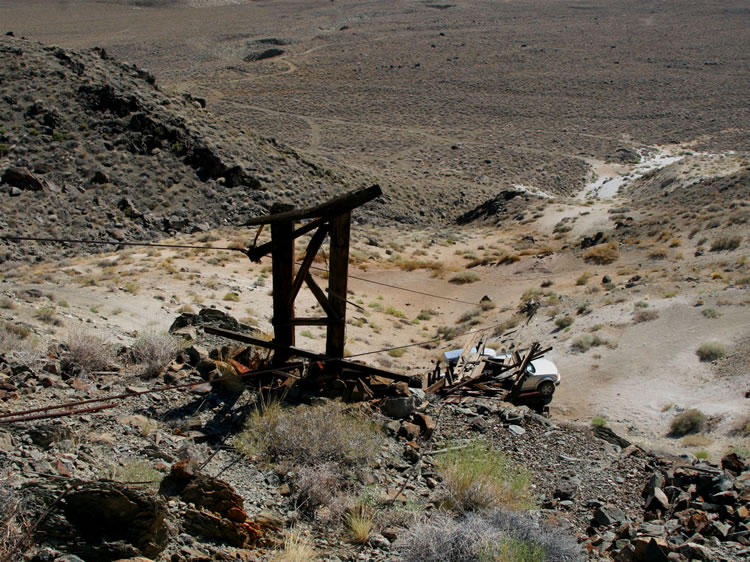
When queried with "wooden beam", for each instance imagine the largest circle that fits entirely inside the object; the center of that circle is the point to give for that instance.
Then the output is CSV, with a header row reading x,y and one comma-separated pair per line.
x,y
310,321
304,268
321,296
283,275
258,252
341,204
338,277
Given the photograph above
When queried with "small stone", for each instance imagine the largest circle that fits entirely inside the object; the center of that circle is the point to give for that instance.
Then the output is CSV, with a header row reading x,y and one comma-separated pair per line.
x,y
516,429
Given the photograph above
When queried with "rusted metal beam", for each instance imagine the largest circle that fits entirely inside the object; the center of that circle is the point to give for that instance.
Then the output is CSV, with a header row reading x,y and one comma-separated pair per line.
x,y
345,364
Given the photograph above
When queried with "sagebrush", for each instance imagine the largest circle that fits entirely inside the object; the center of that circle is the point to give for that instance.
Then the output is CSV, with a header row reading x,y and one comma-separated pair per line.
x,y
487,536
152,352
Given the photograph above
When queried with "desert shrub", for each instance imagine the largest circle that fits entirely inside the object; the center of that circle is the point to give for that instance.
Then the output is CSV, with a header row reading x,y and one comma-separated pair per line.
x,y
426,314
232,297
689,421
696,440
134,471
464,277
153,351
47,315
598,422
710,313
450,332
710,351
310,435
469,315
563,322
7,303
397,352
603,253
14,526
584,342
645,316
658,254
495,535
296,549
726,243
583,278
86,352
479,477
324,485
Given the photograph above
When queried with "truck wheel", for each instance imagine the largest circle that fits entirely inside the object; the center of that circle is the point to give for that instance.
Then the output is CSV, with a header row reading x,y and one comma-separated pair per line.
x,y
547,388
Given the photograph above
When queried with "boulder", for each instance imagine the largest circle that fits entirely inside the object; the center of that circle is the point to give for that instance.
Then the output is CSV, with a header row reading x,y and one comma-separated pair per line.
x,y
23,178
398,406
103,521
609,514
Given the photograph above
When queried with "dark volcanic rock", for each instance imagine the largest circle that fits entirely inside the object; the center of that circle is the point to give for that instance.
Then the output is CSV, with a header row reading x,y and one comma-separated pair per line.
x,y
103,521
266,54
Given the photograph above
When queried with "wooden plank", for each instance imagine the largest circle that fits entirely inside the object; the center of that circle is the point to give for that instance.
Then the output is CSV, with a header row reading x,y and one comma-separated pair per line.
x,y
283,274
255,253
323,321
458,370
321,296
304,268
340,204
338,277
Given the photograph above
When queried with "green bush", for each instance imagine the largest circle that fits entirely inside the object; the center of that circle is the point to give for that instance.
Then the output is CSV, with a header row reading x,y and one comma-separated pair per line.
x,y
598,422
689,421
479,477
563,322
710,351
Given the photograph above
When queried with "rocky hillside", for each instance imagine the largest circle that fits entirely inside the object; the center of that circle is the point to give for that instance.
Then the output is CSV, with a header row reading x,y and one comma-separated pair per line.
x,y
158,454
92,148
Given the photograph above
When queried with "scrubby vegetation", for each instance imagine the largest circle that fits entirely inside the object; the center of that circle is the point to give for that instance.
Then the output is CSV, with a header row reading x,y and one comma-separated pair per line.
x,y
86,352
689,421
153,351
479,477
710,351
492,535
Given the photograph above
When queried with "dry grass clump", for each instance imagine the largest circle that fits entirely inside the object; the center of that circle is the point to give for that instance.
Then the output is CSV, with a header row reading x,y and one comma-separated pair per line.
x,y
296,548
479,477
464,278
360,524
310,435
584,342
726,243
603,253
86,352
495,535
645,316
47,315
14,527
710,351
153,351
133,471
689,421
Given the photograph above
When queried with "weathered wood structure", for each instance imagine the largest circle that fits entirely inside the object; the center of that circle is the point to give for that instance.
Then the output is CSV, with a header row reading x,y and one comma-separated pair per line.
x,y
333,219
